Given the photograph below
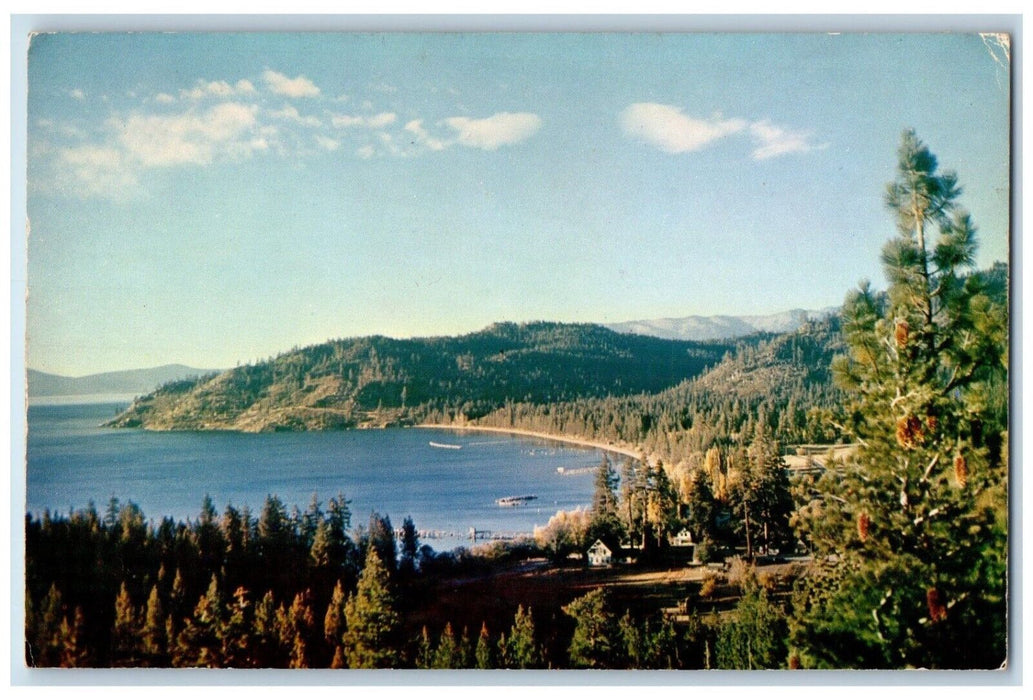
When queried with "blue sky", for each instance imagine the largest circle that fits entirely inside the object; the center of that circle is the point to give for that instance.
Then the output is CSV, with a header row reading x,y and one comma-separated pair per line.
x,y
213,199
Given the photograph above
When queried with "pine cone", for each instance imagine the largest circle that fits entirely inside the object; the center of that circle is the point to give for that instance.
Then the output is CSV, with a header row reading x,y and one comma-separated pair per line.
x,y
931,422
900,333
863,521
960,470
937,609
909,432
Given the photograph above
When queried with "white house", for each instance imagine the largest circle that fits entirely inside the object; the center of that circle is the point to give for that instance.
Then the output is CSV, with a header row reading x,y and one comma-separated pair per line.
x,y
682,539
599,554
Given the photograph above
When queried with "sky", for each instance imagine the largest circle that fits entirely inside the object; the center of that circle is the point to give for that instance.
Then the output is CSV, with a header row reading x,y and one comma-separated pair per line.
x,y
215,199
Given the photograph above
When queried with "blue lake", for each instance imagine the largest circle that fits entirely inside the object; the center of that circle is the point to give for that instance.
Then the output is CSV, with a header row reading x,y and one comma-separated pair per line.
x,y
397,472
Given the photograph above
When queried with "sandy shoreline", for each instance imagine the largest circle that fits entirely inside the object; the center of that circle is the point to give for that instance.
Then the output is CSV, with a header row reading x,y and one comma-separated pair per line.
x,y
606,447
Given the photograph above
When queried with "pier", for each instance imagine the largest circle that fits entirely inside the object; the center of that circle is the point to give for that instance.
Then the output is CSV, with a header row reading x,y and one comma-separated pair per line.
x,y
493,536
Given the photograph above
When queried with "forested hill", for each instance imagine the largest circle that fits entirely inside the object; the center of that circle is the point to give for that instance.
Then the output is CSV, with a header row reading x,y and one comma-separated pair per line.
x,y
375,381
784,380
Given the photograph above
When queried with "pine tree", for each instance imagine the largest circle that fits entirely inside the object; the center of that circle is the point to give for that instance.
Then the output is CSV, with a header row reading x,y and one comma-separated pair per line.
x,y
199,643
702,513
236,632
630,641
265,637
333,621
522,651
595,640
372,623
605,523
425,650
44,640
464,655
153,632
300,631
483,656
912,532
125,633
753,637
410,547
447,654
74,653
382,538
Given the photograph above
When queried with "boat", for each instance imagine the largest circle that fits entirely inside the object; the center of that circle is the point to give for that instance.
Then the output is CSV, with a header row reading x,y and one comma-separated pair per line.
x,y
514,500
445,446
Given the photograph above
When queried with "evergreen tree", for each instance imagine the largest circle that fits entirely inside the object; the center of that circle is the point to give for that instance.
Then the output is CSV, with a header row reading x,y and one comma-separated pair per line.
x,y
483,656
754,637
521,649
605,523
199,643
410,547
74,652
382,539
595,641
310,521
630,636
265,637
448,653
333,621
464,657
44,647
372,623
236,632
702,508
425,650
125,633
153,633
911,533
301,630
210,543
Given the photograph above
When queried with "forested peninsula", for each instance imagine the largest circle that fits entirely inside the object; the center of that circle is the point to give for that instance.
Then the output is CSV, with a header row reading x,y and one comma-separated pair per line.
x,y
667,398
378,381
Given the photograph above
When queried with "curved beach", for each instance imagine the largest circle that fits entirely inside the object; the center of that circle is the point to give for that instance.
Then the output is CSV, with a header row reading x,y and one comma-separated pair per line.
x,y
604,446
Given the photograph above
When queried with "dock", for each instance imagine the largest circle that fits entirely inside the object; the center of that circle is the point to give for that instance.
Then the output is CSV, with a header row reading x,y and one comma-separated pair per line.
x,y
493,536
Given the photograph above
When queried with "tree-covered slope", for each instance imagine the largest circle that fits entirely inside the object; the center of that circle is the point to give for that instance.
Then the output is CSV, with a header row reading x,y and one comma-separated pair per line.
x,y
379,381
783,380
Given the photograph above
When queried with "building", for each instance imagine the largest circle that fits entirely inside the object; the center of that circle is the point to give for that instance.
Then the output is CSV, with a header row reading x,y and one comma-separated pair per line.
x,y
682,546
682,539
599,554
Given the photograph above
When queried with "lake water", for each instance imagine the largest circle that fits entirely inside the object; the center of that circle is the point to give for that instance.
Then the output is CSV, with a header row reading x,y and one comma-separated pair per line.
x,y
395,472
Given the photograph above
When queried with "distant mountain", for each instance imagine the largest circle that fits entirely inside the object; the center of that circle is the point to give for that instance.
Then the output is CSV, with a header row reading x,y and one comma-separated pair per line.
x,y
722,327
133,381
377,381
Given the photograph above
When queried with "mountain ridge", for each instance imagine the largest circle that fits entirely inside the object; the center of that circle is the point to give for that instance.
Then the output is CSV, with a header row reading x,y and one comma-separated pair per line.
x,y
722,327
131,381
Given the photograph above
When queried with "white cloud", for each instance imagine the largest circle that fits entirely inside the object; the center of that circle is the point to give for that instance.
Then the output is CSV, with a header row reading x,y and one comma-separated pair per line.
x,y
218,89
365,152
374,121
290,87
164,98
421,137
77,94
670,130
190,138
290,113
502,129
327,144
85,171
775,141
